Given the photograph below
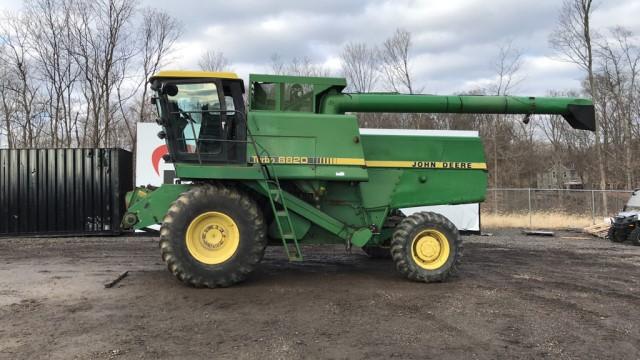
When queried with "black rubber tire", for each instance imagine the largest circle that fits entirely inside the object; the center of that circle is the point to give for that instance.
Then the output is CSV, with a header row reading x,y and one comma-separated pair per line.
x,y
226,199
402,241
377,252
634,236
613,236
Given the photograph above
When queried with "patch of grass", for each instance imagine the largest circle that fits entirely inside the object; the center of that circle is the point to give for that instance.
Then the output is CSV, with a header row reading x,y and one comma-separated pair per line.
x,y
538,220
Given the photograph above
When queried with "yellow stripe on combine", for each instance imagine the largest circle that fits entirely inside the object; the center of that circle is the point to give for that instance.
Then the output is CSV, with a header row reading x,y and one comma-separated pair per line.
x,y
427,164
332,161
349,161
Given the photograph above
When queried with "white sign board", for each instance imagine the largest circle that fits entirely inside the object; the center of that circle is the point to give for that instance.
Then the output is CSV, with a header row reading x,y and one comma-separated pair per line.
x,y
150,167
152,170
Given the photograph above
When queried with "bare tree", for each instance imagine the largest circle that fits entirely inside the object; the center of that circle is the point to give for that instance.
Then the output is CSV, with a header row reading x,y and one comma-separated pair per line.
x,y
8,102
51,42
159,33
360,65
103,34
213,60
303,66
507,66
297,66
394,56
572,39
619,69
16,59
276,64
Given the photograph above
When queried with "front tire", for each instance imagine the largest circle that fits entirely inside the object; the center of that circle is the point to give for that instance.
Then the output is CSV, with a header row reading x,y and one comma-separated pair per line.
x,y
634,236
213,236
615,236
426,247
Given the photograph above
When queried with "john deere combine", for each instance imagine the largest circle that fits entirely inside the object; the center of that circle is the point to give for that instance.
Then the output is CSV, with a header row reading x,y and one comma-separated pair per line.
x,y
293,168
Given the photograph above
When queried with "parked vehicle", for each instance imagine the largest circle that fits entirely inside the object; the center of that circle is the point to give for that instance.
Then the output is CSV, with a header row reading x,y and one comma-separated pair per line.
x,y
625,226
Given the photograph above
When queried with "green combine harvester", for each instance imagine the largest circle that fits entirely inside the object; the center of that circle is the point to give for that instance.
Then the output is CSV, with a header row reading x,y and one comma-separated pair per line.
x,y
292,168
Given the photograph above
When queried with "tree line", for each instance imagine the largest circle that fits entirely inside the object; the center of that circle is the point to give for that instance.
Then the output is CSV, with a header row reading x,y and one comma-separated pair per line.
x,y
73,74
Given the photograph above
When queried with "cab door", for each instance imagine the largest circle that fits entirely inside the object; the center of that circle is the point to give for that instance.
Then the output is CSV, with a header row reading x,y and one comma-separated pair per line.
x,y
205,121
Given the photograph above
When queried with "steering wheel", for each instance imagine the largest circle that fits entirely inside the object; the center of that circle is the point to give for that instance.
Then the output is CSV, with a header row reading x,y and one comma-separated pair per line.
x,y
185,114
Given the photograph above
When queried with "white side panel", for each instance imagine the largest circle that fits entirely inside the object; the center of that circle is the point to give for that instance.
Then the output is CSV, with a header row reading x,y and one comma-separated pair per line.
x,y
465,217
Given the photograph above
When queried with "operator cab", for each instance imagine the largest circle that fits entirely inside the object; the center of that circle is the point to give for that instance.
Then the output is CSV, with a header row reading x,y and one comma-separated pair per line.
x,y
202,114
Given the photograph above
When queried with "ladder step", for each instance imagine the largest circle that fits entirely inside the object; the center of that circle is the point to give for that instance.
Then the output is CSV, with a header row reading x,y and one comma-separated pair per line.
x,y
293,254
282,219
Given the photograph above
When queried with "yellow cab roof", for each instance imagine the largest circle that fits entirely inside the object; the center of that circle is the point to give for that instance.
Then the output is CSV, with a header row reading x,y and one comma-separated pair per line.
x,y
190,74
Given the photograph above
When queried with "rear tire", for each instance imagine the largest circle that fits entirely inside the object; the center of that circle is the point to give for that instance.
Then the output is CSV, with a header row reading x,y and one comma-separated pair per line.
x,y
426,247
634,237
615,236
213,236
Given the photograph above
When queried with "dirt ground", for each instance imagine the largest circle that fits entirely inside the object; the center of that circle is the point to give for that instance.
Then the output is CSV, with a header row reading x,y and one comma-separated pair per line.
x,y
515,297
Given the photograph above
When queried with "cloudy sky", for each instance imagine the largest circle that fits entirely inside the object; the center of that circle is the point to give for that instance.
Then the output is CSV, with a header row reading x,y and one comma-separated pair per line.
x,y
455,42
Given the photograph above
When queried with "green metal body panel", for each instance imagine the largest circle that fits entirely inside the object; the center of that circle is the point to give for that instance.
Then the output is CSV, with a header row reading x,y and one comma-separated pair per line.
x,y
414,186
151,209
294,137
340,185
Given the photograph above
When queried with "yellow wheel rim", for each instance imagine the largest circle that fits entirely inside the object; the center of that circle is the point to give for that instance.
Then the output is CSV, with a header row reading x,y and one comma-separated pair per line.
x,y
430,249
212,238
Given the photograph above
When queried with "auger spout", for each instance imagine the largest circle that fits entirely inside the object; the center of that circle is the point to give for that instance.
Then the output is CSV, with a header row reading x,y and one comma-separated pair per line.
x,y
579,113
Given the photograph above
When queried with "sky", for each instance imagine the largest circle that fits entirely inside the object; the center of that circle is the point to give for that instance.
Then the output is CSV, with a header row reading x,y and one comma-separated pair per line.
x,y
455,42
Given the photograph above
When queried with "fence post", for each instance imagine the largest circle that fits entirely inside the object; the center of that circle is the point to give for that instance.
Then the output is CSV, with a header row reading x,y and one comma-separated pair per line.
x,y
593,207
530,221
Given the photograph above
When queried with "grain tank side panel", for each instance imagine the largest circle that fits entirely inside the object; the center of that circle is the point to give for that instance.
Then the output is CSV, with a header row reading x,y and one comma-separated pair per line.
x,y
406,171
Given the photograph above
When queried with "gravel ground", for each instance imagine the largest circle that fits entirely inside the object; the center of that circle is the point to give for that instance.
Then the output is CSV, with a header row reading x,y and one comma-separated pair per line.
x,y
514,297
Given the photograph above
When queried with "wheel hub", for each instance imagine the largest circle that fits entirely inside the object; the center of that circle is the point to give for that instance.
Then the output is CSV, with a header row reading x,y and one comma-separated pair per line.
x,y
212,238
430,249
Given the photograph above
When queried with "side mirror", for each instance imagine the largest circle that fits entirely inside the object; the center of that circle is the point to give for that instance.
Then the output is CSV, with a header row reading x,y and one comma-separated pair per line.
x,y
170,89
153,100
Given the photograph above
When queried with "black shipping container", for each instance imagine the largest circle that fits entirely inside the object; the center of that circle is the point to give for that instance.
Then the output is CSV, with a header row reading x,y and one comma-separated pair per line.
x,y
63,191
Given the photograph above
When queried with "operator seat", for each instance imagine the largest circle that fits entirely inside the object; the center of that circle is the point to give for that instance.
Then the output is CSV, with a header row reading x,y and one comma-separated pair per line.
x,y
177,124
210,132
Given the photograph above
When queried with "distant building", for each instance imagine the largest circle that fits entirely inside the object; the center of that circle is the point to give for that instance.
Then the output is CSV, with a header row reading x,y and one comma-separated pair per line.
x,y
559,176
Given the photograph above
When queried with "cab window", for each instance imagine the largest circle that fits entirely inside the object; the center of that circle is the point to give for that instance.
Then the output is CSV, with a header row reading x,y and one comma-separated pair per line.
x,y
195,110
297,97
263,96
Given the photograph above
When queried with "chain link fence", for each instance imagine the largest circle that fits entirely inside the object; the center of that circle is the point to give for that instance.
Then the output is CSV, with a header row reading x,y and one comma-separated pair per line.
x,y
552,208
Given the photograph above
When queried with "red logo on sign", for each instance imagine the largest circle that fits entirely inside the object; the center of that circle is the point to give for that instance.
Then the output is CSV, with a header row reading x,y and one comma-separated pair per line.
x,y
157,155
